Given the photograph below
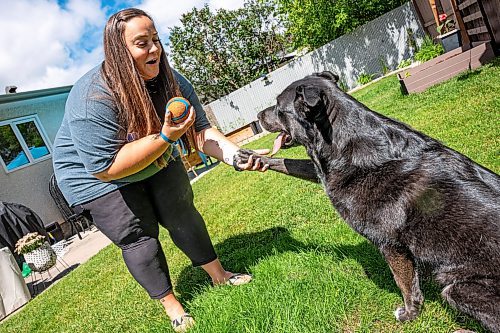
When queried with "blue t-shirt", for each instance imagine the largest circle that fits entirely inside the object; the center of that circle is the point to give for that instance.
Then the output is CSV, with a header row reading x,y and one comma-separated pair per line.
x,y
88,141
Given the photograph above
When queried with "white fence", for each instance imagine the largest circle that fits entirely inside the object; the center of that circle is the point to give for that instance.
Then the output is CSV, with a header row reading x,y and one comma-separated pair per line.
x,y
384,39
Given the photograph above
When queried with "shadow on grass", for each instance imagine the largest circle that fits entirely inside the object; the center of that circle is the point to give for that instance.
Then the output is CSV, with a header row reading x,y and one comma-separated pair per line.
x,y
39,282
468,74
471,73
242,251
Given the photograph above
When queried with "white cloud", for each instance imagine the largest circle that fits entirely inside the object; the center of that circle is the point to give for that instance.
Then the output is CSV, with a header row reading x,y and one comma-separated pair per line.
x,y
226,4
38,38
57,76
45,45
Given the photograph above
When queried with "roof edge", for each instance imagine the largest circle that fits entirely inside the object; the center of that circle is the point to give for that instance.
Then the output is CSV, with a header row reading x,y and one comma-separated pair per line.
x,y
9,98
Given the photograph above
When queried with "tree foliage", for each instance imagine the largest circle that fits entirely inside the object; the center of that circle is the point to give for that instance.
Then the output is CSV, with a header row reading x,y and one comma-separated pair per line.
x,y
313,23
222,51
9,146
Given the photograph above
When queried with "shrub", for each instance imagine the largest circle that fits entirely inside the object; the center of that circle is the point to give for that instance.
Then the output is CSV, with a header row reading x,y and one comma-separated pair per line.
x,y
342,84
428,50
404,63
365,78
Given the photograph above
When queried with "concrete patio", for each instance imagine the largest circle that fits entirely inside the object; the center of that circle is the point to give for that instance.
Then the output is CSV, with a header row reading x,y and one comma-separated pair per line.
x,y
71,253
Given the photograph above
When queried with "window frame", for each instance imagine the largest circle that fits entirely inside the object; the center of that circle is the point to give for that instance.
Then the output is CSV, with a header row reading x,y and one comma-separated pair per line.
x,y
13,125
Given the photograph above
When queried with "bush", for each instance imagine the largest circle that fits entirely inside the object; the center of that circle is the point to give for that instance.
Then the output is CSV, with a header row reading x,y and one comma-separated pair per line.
x,y
428,50
404,63
313,23
343,85
365,78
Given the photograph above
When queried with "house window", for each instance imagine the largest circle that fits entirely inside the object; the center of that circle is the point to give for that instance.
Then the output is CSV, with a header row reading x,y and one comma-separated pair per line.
x,y
22,142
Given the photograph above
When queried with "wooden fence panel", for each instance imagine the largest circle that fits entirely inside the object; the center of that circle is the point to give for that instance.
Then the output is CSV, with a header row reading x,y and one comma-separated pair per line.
x,y
474,21
480,17
492,12
428,22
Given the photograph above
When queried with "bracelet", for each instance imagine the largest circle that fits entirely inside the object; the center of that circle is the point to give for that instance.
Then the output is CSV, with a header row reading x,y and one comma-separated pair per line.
x,y
166,138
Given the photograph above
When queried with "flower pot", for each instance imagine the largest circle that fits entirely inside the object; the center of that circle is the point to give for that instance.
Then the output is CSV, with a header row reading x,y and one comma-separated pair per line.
x,y
451,40
42,258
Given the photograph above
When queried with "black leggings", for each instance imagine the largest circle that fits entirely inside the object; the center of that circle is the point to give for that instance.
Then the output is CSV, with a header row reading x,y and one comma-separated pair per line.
x,y
130,215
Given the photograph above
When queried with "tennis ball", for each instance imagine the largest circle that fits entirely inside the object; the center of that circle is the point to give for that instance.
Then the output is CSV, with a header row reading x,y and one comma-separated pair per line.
x,y
179,108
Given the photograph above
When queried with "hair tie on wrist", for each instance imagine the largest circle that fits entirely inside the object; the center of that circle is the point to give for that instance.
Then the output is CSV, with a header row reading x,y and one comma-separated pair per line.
x,y
166,138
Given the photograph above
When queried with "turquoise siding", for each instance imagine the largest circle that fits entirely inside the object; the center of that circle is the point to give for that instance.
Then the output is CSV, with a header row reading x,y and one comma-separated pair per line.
x,y
30,185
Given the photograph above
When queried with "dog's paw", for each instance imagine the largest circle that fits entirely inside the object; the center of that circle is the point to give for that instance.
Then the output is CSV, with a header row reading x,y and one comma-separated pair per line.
x,y
402,314
243,155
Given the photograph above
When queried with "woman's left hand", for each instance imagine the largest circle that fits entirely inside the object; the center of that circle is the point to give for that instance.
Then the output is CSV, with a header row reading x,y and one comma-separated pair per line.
x,y
254,162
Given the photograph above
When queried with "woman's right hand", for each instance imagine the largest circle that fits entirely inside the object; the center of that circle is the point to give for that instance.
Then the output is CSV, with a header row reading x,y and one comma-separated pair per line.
x,y
175,131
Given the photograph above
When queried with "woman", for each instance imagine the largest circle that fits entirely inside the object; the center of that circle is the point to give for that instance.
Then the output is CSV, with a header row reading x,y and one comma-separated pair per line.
x,y
113,157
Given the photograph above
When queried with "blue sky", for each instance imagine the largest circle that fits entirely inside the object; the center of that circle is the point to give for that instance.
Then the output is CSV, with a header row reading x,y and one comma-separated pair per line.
x,y
51,43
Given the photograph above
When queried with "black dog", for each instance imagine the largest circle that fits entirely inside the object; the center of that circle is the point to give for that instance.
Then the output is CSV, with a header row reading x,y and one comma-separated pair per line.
x,y
420,202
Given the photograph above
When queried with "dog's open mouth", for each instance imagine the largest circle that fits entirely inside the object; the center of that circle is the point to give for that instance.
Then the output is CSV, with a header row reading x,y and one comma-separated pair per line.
x,y
283,139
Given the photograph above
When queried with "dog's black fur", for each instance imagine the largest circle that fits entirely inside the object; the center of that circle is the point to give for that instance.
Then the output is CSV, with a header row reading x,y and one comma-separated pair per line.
x,y
418,201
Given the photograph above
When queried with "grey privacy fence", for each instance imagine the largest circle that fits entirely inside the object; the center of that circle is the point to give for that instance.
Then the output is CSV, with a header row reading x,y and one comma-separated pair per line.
x,y
381,42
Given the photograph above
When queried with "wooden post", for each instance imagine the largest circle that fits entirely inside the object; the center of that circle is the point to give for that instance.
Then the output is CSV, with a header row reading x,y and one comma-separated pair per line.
x,y
419,13
434,11
461,25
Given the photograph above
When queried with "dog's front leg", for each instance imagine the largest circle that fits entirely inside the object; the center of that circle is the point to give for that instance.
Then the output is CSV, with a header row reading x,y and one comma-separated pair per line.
x,y
406,277
303,169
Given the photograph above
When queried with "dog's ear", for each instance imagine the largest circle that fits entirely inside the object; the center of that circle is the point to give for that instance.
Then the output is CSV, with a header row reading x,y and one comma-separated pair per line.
x,y
329,75
310,95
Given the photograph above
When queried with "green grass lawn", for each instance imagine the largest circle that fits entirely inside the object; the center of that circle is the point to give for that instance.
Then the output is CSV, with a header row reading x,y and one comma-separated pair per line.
x,y
312,272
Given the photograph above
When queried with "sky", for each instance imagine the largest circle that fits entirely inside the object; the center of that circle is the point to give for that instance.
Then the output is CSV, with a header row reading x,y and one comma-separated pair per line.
x,y
51,43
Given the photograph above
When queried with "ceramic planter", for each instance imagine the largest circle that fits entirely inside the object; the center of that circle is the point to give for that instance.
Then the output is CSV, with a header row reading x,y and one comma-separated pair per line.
x,y
42,258
451,40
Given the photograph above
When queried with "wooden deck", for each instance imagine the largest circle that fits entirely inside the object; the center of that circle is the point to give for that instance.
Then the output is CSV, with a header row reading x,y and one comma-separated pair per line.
x,y
444,67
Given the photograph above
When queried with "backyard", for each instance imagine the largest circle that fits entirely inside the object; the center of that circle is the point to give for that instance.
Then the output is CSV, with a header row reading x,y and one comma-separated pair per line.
x,y
312,273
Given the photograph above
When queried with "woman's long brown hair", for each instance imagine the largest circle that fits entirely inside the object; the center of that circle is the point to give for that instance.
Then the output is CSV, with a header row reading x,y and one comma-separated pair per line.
x,y
136,112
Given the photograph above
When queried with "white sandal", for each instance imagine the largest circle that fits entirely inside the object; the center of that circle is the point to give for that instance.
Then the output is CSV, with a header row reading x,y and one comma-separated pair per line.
x,y
239,279
183,323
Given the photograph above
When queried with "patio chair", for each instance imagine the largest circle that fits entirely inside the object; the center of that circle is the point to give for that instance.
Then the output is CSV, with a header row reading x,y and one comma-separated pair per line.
x,y
190,160
69,215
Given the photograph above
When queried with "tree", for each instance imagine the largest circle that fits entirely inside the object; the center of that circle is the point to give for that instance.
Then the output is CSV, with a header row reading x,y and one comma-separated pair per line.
x,y
9,146
313,23
222,51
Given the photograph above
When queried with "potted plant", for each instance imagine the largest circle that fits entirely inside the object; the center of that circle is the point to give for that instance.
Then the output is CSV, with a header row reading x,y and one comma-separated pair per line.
x,y
450,36
37,252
